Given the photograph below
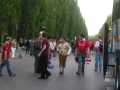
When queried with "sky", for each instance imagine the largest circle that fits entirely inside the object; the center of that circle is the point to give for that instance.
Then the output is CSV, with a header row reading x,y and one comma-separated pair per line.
x,y
95,13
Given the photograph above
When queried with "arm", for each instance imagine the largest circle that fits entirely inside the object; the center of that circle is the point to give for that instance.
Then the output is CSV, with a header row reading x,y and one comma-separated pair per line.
x,y
6,48
49,53
5,55
43,49
69,50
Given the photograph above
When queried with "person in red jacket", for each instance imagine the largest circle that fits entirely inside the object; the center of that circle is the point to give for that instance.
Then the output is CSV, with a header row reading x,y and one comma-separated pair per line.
x,y
5,57
82,47
90,45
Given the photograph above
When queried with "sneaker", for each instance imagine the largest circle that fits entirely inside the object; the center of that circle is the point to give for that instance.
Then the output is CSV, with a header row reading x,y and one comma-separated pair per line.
x,y
83,73
100,69
95,69
60,72
47,76
77,73
13,75
1,74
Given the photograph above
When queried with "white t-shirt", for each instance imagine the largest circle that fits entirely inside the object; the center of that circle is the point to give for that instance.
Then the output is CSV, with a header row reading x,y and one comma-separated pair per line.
x,y
97,44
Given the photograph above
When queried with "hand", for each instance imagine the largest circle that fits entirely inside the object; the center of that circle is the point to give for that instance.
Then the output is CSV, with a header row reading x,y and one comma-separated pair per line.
x,y
88,52
67,54
39,55
49,57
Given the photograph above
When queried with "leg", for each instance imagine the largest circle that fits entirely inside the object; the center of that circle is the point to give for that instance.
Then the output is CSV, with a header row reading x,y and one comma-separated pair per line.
x,y
60,63
35,64
44,70
13,52
1,66
79,63
96,61
7,62
20,50
100,61
64,63
83,63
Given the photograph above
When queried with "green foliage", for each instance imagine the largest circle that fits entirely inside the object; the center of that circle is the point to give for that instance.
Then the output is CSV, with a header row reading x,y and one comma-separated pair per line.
x,y
116,10
24,18
108,21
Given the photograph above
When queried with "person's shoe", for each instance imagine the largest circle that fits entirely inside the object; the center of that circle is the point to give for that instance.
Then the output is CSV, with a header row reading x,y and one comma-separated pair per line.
x,y
13,75
83,73
1,74
41,78
95,69
100,69
60,72
77,73
47,76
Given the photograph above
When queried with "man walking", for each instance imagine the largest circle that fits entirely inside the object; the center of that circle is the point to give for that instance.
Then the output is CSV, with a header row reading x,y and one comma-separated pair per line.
x,y
44,55
82,46
5,57
36,50
64,50
98,55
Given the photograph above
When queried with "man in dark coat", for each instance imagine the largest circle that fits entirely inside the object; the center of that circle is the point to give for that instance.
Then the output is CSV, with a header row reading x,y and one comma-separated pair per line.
x,y
36,49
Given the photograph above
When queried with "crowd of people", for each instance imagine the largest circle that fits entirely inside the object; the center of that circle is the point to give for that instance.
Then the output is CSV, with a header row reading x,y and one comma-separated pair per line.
x,y
43,47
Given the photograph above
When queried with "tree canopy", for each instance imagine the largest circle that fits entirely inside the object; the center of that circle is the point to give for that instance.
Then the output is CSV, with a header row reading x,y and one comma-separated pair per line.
x,y
109,22
25,18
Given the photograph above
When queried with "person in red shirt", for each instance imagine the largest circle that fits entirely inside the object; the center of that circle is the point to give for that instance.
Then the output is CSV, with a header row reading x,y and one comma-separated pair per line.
x,y
44,55
5,57
82,47
90,45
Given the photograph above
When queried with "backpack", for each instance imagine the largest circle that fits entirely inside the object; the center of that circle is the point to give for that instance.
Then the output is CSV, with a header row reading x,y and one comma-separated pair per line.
x,y
101,46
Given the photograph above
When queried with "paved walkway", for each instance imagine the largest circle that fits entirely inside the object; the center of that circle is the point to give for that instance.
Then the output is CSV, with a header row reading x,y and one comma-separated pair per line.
x,y
26,79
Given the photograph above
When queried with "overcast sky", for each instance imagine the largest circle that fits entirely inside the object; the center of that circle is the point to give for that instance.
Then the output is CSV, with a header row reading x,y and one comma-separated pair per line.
x,y
95,13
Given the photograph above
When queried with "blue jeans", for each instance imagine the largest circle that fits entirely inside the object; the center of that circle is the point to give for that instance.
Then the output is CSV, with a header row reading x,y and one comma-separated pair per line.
x,y
98,59
31,50
54,54
81,63
20,50
7,63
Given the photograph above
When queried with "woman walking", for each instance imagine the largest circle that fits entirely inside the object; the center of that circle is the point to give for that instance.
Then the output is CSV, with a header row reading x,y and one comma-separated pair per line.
x,y
13,48
21,46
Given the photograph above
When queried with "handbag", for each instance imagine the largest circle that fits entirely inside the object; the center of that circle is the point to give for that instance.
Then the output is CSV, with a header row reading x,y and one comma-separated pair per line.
x,y
87,59
50,64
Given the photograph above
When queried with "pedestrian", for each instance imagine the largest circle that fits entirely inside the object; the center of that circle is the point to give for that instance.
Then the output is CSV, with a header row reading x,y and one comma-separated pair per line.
x,y
36,50
44,54
72,46
6,57
51,45
82,47
54,50
13,47
31,47
21,47
98,54
64,50
27,46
